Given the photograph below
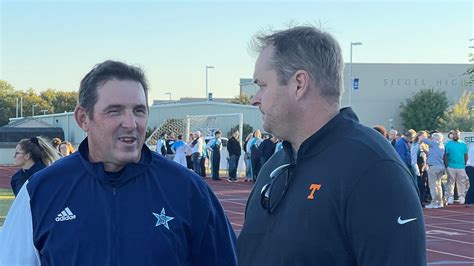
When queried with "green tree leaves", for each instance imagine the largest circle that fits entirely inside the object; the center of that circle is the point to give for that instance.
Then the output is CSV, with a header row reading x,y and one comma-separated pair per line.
x,y
53,101
424,110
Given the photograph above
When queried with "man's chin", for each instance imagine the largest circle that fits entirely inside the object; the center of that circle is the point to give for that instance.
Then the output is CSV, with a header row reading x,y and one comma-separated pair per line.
x,y
129,157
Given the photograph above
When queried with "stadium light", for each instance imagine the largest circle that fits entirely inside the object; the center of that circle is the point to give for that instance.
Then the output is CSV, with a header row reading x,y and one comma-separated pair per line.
x,y
207,92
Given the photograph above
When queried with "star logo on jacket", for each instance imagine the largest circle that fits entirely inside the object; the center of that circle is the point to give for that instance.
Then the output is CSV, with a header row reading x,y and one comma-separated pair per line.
x,y
162,219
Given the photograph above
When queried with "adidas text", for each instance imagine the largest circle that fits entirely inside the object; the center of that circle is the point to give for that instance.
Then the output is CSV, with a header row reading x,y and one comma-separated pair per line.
x,y
65,215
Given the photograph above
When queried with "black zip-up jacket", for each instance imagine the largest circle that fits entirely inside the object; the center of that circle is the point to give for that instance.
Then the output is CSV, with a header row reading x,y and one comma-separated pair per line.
x,y
233,147
267,148
349,200
20,177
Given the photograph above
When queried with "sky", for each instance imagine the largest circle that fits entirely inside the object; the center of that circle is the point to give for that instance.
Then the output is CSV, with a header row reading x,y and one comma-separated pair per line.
x,y
53,44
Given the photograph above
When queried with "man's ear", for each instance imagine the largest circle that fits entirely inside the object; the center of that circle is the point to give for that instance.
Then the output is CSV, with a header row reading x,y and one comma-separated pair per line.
x,y
301,79
82,119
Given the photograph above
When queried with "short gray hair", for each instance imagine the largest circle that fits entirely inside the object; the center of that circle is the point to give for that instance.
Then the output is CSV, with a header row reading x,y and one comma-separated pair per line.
x,y
438,136
310,49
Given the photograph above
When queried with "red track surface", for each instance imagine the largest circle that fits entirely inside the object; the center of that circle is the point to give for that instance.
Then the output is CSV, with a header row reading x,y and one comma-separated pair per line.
x,y
449,231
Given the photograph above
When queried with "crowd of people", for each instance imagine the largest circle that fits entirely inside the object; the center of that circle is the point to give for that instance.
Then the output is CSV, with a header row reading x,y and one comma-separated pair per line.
x,y
199,155
431,160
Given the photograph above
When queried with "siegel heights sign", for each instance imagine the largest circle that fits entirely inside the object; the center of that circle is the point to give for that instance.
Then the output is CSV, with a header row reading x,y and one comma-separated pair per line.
x,y
430,83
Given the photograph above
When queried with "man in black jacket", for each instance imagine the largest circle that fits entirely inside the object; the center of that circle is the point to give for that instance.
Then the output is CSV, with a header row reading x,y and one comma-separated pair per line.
x,y
267,148
308,208
234,149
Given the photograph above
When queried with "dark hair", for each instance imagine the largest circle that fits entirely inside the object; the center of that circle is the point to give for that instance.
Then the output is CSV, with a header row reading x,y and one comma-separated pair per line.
x,y
381,129
180,136
102,73
310,49
39,149
217,132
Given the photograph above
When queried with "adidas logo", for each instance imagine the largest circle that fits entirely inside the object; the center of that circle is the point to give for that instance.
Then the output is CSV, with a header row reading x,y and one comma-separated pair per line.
x,y
65,215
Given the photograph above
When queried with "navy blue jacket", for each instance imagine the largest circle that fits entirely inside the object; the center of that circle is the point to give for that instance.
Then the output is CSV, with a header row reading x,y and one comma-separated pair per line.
x,y
155,213
345,200
20,177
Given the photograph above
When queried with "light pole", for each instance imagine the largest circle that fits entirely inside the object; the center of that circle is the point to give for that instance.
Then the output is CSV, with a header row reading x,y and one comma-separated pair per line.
x,y
169,93
350,89
33,110
207,92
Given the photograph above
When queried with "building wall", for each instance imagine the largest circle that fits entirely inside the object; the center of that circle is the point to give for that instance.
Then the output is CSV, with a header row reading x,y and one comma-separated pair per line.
x,y
383,87
72,132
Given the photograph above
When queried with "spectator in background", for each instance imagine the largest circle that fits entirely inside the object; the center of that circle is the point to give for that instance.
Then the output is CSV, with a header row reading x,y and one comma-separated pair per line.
x,y
418,163
179,149
403,149
235,149
197,146
66,148
267,148
189,151
393,137
31,155
470,174
161,144
55,143
455,158
213,148
169,142
436,169
381,129
253,149
248,162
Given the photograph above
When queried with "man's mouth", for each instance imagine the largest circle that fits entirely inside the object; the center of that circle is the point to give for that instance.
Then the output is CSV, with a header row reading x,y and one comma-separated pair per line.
x,y
128,140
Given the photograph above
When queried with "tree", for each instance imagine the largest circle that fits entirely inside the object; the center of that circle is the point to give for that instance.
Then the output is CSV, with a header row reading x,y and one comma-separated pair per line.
x,y
424,110
241,99
60,101
470,71
54,101
7,102
460,115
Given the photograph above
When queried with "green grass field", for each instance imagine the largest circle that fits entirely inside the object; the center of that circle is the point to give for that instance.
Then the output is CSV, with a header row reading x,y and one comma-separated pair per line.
x,y
6,199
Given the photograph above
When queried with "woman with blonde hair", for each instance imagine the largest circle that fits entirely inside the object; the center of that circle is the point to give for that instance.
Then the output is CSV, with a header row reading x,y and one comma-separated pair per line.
x,y
66,148
31,155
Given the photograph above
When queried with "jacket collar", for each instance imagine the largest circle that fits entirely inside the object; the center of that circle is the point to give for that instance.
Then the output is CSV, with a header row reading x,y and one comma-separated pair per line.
x,y
321,139
35,168
130,171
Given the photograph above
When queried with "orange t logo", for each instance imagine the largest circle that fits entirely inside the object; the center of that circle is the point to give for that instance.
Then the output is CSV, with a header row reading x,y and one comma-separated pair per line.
x,y
313,188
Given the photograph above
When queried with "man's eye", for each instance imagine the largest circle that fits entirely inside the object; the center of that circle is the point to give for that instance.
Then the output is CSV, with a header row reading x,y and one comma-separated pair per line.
x,y
141,111
112,111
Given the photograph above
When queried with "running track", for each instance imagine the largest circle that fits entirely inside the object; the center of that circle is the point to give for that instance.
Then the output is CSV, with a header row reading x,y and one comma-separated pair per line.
x,y
449,231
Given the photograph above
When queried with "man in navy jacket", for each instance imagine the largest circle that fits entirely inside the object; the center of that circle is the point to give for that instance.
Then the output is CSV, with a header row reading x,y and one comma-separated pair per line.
x,y
114,202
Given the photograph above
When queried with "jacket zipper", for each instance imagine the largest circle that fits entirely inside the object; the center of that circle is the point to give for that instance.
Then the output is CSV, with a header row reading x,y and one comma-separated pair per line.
x,y
114,237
